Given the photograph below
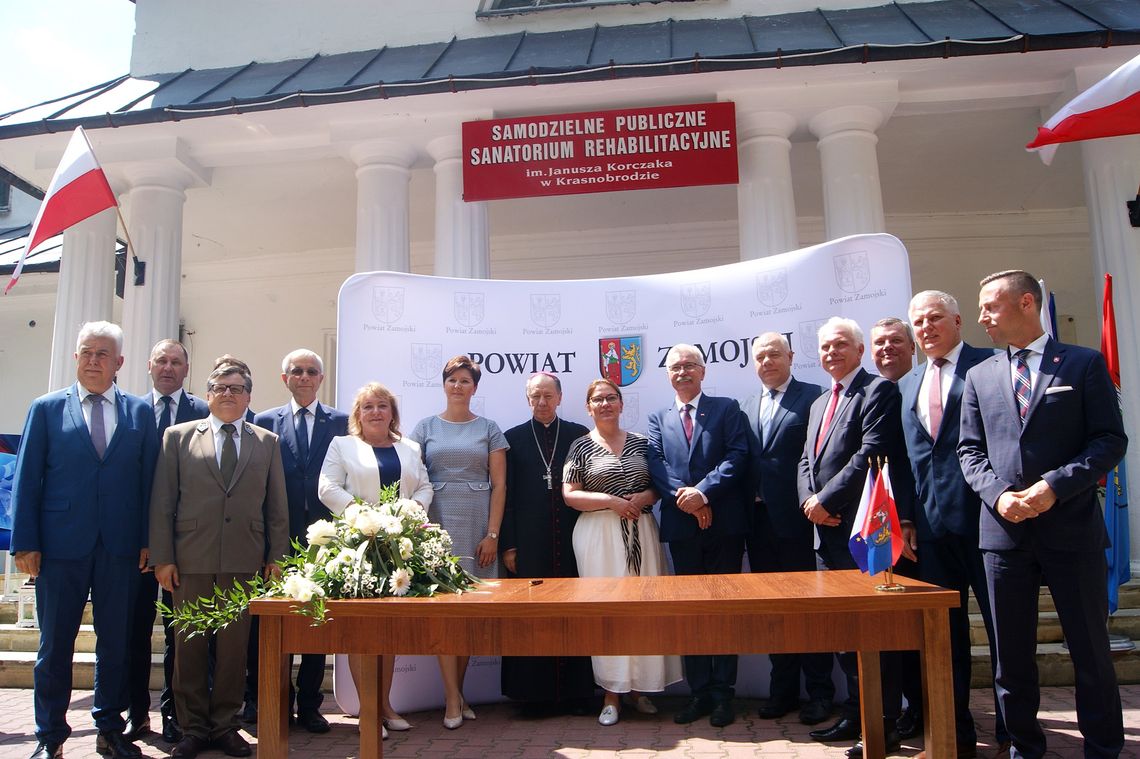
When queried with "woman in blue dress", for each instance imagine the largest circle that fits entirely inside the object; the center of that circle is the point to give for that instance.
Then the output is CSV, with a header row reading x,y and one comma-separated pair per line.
x,y
466,458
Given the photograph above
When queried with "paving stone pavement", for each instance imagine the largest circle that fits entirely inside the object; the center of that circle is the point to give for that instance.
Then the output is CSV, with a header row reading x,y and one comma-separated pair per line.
x,y
500,732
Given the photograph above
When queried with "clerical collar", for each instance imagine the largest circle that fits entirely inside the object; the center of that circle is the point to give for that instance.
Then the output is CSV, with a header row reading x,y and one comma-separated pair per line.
x,y
544,425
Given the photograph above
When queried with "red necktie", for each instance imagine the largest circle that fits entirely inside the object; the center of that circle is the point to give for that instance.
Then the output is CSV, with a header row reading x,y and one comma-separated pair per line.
x,y
934,397
687,422
836,389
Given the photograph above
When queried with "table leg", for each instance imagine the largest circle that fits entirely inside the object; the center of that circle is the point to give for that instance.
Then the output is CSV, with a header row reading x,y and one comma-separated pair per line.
x,y
272,692
871,704
937,684
369,688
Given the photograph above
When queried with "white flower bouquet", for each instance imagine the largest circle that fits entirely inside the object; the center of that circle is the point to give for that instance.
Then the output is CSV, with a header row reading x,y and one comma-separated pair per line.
x,y
373,550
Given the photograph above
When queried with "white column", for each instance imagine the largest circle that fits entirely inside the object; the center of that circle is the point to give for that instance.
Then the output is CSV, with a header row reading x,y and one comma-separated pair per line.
x,y
852,195
382,176
1112,173
152,311
462,236
86,289
766,208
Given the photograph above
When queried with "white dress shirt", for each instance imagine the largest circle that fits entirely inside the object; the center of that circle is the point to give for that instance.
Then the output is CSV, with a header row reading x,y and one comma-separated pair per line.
x,y
156,402
1033,360
219,436
295,409
945,377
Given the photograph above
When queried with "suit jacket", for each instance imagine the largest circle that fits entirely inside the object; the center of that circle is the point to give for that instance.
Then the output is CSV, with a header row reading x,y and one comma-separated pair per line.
x,y
350,471
64,497
865,425
1072,436
773,462
301,476
946,504
716,464
190,409
205,526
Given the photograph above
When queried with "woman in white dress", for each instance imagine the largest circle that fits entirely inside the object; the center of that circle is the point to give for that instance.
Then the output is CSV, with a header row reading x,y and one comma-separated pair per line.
x,y
607,478
374,455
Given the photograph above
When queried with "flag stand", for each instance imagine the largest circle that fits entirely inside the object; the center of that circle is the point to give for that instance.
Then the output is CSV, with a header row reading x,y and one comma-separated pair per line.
x,y
890,586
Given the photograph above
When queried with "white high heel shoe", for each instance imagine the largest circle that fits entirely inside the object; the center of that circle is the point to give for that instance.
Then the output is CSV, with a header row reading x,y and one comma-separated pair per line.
x,y
399,724
468,712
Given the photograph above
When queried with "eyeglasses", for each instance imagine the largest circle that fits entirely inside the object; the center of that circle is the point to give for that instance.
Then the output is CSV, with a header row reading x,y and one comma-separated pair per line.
x,y
688,366
298,371
227,389
604,400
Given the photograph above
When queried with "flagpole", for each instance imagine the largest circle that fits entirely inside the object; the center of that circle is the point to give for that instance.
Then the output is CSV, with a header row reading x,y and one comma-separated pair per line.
x,y
132,250
890,586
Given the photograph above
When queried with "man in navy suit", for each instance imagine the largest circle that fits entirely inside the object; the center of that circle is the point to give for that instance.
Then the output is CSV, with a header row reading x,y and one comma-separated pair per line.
x,y
304,427
946,515
1040,427
698,457
780,539
81,499
856,421
169,363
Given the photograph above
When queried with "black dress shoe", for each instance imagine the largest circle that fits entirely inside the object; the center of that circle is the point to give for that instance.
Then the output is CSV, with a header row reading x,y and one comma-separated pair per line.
x,y
844,729
171,732
693,711
771,709
47,750
189,747
815,711
232,744
722,714
910,723
115,745
313,721
892,741
137,728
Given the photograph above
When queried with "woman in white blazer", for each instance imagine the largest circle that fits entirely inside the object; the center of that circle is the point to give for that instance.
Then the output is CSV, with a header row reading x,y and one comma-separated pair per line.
x,y
358,465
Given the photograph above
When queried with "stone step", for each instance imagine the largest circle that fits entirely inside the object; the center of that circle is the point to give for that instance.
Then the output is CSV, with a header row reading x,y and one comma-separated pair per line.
x,y
1055,667
1129,598
15,638
1124,622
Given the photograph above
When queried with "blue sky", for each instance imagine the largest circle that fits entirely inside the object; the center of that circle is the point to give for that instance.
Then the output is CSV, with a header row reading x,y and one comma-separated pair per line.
x,y
54,47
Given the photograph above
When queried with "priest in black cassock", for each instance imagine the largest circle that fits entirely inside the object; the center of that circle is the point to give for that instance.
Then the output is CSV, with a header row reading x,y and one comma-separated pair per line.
x,y
536,542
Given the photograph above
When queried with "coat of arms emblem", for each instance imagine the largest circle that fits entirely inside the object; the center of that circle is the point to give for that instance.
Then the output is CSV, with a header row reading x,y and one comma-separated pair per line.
x,y
772,287
852,271
545,309
468,308
696,298
427,360
387,303
620,359
621,306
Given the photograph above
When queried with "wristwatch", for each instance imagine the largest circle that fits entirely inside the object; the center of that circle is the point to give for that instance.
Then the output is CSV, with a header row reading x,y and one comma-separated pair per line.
x,y
493,535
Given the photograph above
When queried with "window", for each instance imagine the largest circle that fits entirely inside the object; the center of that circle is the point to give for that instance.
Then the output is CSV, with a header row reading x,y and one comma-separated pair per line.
x,y
5,197
510,7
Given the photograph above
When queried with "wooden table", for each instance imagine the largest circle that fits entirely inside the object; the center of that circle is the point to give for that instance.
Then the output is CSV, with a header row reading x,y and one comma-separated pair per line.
x,y
696,614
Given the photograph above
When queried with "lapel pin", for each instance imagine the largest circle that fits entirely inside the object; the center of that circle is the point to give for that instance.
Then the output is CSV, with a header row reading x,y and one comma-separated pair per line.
x,y
1056,359
203,426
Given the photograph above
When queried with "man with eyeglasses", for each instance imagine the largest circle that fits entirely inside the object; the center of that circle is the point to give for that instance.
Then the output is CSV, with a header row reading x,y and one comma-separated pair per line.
x,y
698,457
218,502
304,428
168,365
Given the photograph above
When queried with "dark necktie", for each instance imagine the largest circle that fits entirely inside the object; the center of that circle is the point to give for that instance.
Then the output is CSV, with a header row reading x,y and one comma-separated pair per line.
x,y
98,429
1022,384
164,420
303,435
769,415
687,422
229,453
836,389
934,397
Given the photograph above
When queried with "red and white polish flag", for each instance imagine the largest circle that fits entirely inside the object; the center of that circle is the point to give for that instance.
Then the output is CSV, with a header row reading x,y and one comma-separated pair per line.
x,y
1110,108
78,190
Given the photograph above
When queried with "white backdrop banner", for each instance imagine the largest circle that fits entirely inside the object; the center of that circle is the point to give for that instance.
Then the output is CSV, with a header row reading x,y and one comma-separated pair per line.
x,y
400,329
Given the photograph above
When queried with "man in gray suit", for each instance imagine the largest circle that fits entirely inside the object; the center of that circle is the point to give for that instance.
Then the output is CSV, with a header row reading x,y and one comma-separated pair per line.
x,y
218,509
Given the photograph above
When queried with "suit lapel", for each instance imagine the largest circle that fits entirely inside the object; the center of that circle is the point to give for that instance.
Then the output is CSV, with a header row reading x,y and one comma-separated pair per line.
x,y
288,430
122,422
700,419
321,431
842,406
778,416
248,440
1050,362
202,447
75,419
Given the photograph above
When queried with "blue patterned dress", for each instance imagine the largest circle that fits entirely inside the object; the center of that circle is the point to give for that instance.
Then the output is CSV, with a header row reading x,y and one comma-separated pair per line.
x,y
457,455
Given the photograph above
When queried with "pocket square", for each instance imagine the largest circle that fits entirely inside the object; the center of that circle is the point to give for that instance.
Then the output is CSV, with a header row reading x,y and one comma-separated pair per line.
x,y
1058,389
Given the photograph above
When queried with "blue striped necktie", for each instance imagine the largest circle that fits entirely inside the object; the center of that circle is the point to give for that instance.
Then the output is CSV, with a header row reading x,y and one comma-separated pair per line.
x,y
1023,385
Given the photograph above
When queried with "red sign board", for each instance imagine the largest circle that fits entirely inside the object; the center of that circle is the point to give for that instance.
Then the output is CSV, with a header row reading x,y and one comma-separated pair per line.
x,y
600,151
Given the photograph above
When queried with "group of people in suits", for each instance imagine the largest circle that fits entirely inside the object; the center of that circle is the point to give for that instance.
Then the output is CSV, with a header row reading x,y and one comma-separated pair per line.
x,y
994,459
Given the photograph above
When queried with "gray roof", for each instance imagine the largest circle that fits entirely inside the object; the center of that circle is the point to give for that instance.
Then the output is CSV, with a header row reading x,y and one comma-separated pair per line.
x,y
945,28
46,258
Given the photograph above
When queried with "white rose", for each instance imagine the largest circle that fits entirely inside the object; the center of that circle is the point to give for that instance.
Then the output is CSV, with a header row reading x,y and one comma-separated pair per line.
x,y
351,511
406,548
369,522
391,525
301,588
320,532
